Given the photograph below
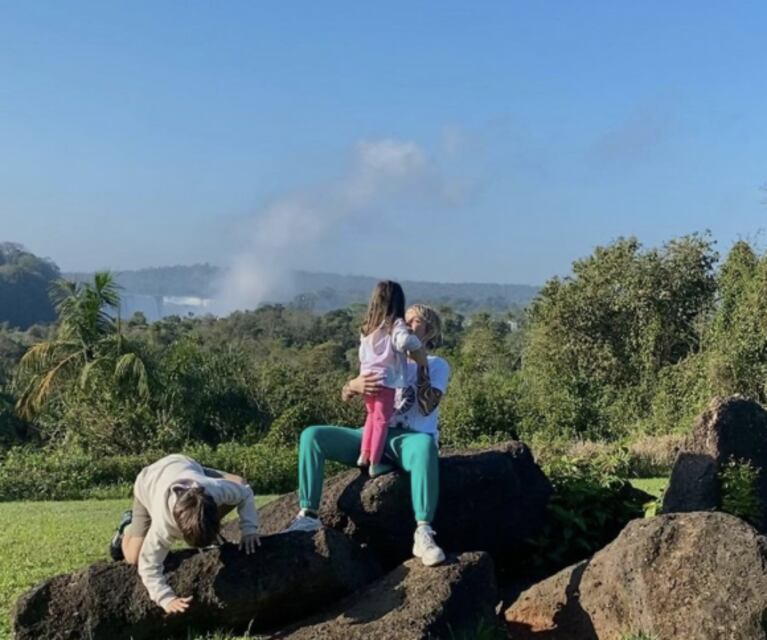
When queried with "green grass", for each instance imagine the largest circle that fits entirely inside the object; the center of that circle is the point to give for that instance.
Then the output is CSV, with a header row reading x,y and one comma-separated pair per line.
x,y
42,539
653,486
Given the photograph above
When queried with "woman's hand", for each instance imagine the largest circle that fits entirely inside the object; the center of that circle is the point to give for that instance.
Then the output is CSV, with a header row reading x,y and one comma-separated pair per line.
x,y
419,357
178,605
249,543
365,384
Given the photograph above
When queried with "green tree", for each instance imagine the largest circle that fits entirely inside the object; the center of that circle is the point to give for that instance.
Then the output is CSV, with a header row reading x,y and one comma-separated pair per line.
x,y
24,283
736,345
598,339
88,343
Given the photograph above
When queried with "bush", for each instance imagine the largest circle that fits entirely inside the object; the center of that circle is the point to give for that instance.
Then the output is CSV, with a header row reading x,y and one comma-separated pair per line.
x,y
479,406
740,494
57,475
590,506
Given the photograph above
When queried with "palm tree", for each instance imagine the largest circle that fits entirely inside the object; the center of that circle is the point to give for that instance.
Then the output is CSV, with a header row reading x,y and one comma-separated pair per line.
x,y
88,341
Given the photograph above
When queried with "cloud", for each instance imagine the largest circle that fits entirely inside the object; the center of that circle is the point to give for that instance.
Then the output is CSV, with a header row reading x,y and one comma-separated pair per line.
x,y
381,174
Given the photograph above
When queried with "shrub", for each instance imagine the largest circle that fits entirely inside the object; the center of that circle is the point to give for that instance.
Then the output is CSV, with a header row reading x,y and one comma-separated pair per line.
x,y
479,406
740,495
58,475
590,506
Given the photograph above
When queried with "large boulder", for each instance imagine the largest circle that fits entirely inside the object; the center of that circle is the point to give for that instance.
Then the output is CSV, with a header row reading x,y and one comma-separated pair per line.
x,y
454,600
697,576
489,500
286,578
731,428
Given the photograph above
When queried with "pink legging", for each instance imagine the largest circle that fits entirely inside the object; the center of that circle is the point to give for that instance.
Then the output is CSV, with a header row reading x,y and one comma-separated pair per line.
x,y
380,408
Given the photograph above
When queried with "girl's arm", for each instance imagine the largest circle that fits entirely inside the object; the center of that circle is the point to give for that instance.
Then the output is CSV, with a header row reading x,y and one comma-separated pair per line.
x,y
402,339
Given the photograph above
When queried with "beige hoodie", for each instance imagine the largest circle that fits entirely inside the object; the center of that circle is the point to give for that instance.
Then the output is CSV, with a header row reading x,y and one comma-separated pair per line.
x,y
154,489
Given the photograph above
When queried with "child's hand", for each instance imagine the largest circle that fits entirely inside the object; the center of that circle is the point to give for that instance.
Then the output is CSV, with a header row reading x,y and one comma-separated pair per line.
x,y
178,605
249,543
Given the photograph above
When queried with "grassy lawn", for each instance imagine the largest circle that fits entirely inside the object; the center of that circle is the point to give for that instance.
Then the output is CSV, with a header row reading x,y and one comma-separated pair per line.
x,y
653,486
42,539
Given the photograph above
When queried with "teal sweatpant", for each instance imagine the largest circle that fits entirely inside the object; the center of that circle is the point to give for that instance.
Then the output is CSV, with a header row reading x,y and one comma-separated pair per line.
x,y
414,452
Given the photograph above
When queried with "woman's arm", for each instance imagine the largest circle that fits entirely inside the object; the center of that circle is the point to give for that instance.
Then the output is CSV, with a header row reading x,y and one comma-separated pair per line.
x,y
427,396
364,384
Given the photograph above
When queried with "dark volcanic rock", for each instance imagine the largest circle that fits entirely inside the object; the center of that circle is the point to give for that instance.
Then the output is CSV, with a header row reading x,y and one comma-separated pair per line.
x,y
731,428
288,576
414,602
697,576
490,500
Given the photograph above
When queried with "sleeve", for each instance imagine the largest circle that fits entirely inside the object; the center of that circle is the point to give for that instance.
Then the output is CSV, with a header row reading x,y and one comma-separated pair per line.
x,y
402,339
151,568
431,384
226,492
439,373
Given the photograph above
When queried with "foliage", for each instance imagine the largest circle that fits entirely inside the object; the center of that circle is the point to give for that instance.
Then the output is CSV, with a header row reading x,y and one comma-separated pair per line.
x,y
28,474
88,346
612,362
590,506
484,630
598,339
24,282
737,341
740,493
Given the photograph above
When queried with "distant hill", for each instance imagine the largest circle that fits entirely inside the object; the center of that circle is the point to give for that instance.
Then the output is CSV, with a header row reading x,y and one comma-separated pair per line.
x,y
159,291
462,296
25,280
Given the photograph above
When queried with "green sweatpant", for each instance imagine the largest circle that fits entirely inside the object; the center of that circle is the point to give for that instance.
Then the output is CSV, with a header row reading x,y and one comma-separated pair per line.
x,y
414,452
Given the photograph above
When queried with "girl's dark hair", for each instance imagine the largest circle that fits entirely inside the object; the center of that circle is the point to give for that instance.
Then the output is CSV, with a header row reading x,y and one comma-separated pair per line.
x,y
387,304
196,515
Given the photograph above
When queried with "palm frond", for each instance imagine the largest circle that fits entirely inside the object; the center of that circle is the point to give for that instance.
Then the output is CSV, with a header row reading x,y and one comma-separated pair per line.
x,y
131,367
41,386
107,289
42,354
87,372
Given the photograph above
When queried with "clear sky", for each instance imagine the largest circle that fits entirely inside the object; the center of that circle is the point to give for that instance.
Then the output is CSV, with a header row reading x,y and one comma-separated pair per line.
x,y
460,141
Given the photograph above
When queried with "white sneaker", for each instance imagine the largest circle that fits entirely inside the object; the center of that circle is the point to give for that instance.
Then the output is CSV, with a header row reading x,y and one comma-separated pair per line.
x,y
363,461
379,469
302,522
425,548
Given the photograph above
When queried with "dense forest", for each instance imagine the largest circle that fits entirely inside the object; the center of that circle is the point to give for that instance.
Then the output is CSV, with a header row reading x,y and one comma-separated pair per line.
x,y
620,355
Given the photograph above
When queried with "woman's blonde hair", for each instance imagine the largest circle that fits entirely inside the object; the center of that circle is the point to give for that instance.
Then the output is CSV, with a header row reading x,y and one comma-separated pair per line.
x,y
433,333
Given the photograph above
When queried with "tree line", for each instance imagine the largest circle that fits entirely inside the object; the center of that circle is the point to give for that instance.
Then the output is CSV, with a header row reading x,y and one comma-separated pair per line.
x,y
634,341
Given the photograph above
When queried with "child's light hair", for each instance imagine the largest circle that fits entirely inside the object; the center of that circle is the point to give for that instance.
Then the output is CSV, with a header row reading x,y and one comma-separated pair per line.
x,y
433,332
387,304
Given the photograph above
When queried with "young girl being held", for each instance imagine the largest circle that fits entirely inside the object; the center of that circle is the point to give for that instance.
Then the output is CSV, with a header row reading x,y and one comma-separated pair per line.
x,y
384,343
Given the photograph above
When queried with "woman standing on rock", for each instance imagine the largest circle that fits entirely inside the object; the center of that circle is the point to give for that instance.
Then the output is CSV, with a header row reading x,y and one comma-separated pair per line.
x,y
411,442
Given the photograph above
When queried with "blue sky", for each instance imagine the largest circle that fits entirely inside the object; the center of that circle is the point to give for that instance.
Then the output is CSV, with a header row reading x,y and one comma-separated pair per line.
x,y
472,141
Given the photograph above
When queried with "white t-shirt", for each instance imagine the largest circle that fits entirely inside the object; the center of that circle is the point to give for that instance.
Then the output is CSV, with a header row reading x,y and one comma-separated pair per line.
x,y
407,414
